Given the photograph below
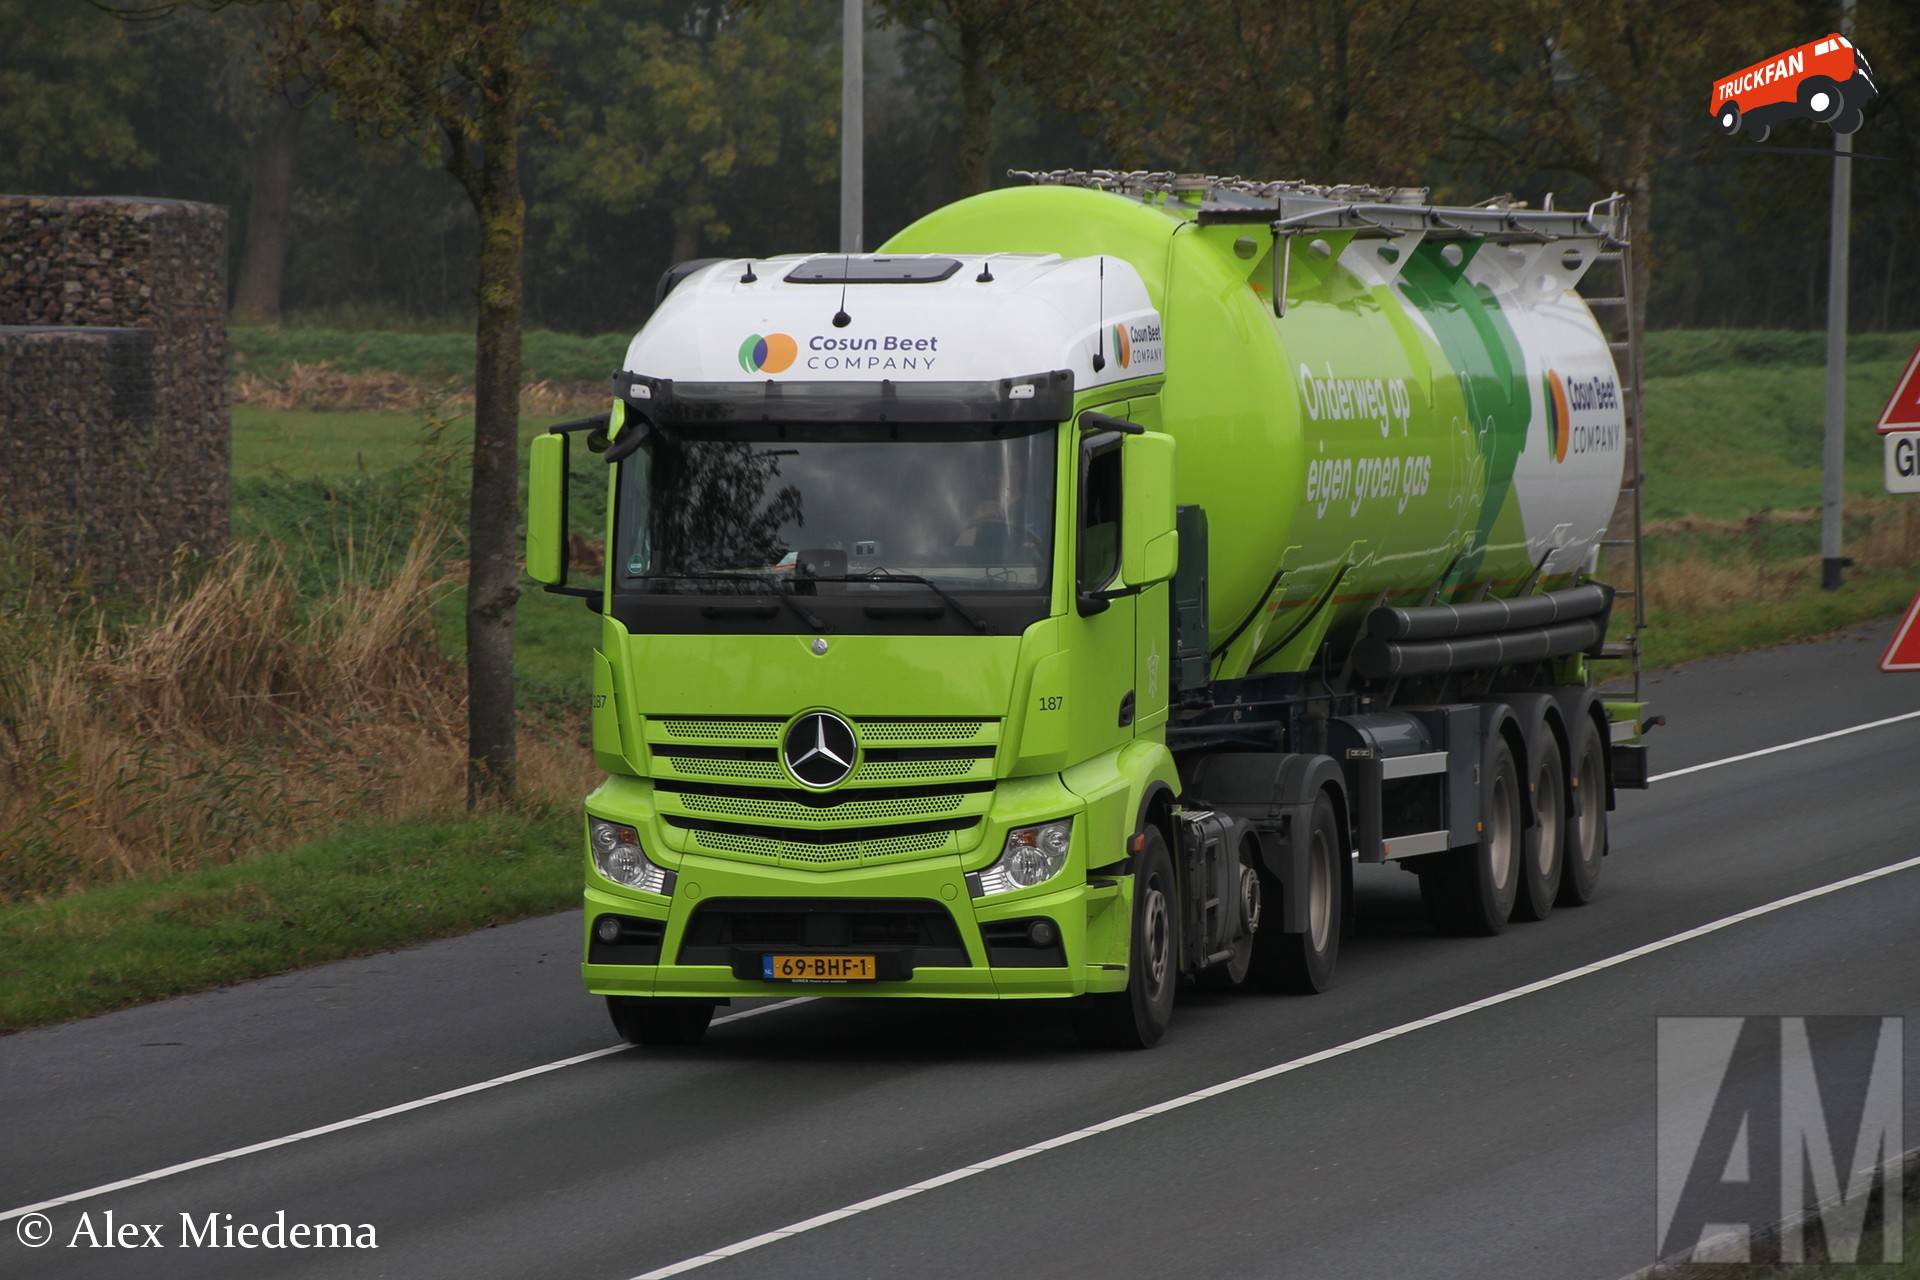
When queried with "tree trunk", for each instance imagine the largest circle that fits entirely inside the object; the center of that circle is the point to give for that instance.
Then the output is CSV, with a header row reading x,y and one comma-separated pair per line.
x,y
493,569
976,110
263,252
1639,166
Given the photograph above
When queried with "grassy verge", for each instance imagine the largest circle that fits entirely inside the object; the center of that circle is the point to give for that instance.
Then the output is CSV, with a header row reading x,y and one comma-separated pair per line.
x,y
1817,1267
346,894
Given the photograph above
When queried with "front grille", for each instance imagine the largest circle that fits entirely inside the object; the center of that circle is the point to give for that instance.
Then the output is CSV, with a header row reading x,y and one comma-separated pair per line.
x,y
905,932
816,846
921,786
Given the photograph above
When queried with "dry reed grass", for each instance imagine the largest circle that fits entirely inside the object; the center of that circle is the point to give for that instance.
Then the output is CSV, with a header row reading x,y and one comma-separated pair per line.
x,y
232,717
1883,533
321,387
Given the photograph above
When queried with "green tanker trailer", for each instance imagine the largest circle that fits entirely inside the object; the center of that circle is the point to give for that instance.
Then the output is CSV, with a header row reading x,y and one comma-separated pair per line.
x,y
1059,602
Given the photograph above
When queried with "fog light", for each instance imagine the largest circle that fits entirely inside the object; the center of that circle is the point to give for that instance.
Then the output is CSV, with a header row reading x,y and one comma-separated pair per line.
x,y
1041,933
608,929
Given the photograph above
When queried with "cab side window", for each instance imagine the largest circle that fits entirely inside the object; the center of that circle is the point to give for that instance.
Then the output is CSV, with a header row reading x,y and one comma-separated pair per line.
x,y
1100,515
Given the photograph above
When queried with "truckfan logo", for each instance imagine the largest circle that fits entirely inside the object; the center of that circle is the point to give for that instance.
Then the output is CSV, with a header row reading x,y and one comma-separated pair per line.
x,y
819,749
1826,80
773,353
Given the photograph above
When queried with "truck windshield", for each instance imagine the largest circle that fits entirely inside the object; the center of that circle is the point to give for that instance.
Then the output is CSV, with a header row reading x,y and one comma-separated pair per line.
x,y
771,507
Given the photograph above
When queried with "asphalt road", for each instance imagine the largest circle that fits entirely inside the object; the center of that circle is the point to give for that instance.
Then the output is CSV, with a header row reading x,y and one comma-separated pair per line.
x,y
1512,1139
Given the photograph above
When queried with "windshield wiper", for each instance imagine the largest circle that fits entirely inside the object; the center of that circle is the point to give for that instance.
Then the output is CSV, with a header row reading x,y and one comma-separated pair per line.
x,y
784,597
888,575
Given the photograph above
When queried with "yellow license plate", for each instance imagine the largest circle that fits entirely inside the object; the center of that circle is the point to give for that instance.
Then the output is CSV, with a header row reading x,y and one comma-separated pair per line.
x,y
817,968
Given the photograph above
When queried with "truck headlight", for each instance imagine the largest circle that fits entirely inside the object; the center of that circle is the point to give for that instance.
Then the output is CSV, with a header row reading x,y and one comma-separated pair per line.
x,y
617,855
1031,856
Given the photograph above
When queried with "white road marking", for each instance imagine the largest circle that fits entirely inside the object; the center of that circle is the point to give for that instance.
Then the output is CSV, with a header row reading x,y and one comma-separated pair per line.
x,y
1265,1073
1785,746
354,1122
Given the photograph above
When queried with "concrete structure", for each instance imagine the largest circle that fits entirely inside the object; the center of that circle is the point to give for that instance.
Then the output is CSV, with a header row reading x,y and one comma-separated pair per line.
x,y
114,433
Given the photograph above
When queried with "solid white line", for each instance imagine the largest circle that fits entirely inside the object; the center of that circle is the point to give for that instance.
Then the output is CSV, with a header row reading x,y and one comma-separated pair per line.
x,y
1785,746
1266,1073
354,1122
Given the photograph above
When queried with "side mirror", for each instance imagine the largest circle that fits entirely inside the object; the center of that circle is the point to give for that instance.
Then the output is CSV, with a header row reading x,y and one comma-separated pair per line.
x,y
547,509
1149,546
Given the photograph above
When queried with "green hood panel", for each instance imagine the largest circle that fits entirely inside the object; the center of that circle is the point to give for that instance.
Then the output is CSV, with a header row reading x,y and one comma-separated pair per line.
x,y
781,675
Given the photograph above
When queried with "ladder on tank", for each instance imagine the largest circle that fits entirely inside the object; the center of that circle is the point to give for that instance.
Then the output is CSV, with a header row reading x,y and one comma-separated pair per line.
x,y
1612,305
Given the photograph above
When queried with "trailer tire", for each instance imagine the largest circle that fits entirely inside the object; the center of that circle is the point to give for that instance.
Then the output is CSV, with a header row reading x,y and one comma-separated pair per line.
x,y
1137,1017
1586,829
1545,865
1471,890
1759,132
1303,963
659,1020
1849,120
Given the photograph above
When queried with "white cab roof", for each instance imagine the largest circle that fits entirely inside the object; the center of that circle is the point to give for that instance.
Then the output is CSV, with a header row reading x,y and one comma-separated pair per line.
x,y
1037,313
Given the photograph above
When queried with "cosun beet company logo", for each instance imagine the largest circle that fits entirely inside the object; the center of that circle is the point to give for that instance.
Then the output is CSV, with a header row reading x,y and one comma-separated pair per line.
x,y
1122,349
772,353
1566,399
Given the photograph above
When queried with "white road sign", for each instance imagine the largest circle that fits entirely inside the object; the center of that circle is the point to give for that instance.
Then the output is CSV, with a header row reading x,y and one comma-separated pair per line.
x,y
1903,461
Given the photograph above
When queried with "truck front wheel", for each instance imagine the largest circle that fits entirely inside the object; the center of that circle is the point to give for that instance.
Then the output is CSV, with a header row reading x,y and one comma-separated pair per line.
x,y
1137,1017
659,1020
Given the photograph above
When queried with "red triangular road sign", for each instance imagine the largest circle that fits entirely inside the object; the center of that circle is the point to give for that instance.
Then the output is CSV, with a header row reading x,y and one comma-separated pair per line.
x,y
1903,654
1903,408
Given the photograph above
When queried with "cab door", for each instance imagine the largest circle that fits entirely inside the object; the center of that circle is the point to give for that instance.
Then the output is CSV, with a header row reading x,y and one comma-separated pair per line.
x,y
1100,628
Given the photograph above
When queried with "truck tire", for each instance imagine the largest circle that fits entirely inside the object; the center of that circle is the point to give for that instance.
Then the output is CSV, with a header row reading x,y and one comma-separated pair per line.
x,y
1849,120
1544,868
1586,830
1254,893
1303,963
1471,890
659,1020
1729,119
1137,1017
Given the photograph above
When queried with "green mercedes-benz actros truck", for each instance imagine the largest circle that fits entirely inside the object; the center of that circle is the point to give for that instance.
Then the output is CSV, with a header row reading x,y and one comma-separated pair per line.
x,y
1059,602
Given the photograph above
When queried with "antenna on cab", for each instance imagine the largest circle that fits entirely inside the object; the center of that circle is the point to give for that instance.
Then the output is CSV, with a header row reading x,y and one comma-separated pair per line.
x,y
1100,343
840,318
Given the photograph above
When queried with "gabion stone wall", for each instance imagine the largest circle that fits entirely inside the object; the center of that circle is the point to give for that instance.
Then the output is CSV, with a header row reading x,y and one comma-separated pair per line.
x,y
114,434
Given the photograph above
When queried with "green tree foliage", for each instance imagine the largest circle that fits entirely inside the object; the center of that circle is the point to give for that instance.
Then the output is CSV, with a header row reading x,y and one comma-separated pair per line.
x,y
70,84
689,108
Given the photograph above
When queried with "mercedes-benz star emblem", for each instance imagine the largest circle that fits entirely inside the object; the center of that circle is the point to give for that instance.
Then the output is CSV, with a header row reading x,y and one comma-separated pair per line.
x,y
819,749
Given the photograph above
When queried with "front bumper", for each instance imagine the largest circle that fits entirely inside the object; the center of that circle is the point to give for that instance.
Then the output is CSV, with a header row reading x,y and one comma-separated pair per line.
x,y
1091,918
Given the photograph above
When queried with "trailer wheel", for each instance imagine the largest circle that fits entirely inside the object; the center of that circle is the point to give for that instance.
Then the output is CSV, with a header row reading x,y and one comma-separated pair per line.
x,y
1759,132
1471,890
1820,98
1542,871
659,1020
1588,829
1137,1017
1849,120
1303,963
